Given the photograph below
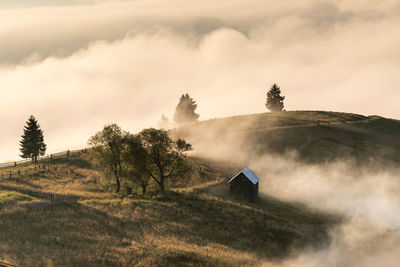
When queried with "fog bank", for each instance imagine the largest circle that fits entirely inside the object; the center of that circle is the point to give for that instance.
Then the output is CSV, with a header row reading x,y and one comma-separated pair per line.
x,y
364,194
368,200
78,66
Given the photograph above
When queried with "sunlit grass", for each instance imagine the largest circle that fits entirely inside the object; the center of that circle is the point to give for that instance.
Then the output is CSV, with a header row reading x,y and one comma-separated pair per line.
x,y
189,228
199,223
8,198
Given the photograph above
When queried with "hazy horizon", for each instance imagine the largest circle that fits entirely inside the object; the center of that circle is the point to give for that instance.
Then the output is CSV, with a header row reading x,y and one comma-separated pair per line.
x,y
77,65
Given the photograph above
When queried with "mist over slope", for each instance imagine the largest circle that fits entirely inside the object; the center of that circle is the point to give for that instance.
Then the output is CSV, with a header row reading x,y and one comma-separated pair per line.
x,y
341,163
309,136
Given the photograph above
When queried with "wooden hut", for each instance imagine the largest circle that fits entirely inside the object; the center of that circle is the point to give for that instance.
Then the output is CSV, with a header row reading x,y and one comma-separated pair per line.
x,y
244,185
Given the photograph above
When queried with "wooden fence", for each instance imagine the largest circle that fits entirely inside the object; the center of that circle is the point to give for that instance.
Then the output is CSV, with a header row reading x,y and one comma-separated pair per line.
x,y
43,166
42,159
9,170
26,172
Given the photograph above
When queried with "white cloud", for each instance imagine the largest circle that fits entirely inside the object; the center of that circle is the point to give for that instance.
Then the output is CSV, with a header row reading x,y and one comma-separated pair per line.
x,y
78,67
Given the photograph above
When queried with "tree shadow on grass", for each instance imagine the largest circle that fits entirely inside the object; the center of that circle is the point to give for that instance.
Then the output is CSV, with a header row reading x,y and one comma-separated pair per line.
x,y
73,161
271,235
20,181
147,232
73,235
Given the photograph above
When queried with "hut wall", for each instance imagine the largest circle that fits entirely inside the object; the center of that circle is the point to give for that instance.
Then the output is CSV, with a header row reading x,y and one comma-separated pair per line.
x,y
243,188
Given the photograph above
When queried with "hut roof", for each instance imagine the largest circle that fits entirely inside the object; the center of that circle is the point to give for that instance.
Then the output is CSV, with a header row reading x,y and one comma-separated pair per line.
x,y
249,174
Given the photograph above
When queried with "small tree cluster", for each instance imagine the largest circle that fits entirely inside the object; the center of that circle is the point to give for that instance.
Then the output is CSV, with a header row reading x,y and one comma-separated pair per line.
x,y
149,155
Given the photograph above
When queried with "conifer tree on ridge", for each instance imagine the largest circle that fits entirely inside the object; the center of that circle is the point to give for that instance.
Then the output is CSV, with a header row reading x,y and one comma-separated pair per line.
x,y
32,142
274,98
185,110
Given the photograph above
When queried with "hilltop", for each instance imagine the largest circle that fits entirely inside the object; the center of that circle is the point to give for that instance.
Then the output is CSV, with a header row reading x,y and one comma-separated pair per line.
x,y
314,136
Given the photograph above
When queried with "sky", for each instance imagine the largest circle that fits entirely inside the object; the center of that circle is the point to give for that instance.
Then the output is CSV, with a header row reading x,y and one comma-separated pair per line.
x,y
80,64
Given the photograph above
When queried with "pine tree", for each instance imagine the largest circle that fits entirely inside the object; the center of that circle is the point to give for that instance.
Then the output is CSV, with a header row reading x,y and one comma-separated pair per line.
x,y
32,143
185,110
274,98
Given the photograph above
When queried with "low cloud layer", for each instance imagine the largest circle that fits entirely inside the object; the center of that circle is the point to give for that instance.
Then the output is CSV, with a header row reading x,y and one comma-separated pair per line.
x,y
78,66
367,199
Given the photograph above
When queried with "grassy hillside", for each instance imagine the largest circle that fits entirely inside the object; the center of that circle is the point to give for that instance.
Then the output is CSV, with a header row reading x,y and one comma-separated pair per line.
x,y
196,225
315,136
199,223
11,198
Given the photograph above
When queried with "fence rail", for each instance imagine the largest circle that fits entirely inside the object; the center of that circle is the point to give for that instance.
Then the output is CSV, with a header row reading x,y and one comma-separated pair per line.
x,y
27,172
41,158
42,167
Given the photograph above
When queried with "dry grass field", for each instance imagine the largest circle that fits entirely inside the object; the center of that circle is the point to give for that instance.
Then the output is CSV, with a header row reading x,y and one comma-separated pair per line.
x,y
198,224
